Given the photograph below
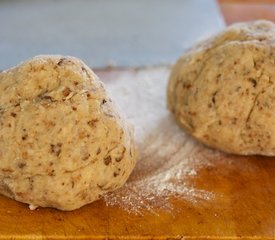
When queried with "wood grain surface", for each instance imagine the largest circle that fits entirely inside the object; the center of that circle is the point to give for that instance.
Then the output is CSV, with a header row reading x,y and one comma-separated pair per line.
x,y
247,10
241,206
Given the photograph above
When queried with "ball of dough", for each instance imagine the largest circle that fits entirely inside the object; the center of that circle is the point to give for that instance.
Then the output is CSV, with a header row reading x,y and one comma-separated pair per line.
x,y
222,91
63,142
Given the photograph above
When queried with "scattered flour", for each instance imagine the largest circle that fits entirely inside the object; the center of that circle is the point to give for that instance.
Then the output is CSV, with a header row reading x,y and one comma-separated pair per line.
x,y
168,159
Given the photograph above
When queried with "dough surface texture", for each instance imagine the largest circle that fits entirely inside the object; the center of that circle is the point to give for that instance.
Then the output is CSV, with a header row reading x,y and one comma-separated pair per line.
x,y
222,91
63,141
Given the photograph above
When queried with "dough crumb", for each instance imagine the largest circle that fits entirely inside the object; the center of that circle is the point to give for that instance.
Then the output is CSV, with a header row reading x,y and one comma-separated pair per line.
x,y
32,207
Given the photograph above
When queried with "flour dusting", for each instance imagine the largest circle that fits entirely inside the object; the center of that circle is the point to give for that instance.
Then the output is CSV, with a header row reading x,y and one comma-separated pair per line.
x,y
168,159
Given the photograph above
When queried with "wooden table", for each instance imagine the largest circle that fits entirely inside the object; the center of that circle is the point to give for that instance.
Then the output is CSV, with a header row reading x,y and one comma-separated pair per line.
x,y
247,10
226,196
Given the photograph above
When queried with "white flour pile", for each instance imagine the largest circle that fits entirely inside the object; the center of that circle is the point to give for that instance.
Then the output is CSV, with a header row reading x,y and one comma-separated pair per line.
x,y
168,158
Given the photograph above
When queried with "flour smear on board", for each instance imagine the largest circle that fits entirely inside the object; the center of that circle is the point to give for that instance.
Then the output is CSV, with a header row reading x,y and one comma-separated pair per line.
x,y
167,157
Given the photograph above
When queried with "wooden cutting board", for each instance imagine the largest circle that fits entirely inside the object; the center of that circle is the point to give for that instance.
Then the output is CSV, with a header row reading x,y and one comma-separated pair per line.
x,y
219,196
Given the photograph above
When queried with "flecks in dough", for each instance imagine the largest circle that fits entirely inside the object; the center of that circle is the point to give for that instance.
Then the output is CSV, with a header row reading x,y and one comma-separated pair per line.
x,y
222,90
61,135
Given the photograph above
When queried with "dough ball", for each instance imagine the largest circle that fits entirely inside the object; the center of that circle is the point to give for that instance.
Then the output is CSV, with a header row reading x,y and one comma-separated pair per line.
x,y
63,141
222,91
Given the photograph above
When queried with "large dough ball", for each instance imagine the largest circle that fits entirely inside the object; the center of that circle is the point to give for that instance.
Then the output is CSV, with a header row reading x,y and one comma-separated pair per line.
x,y
223,90
62,141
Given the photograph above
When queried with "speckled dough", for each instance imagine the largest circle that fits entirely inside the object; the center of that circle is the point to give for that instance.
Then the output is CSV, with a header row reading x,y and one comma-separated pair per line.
x,y
63,142
223,90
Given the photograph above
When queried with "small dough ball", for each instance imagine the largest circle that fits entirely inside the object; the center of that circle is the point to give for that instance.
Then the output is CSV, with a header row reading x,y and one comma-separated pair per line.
x,y
222,91
63,141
